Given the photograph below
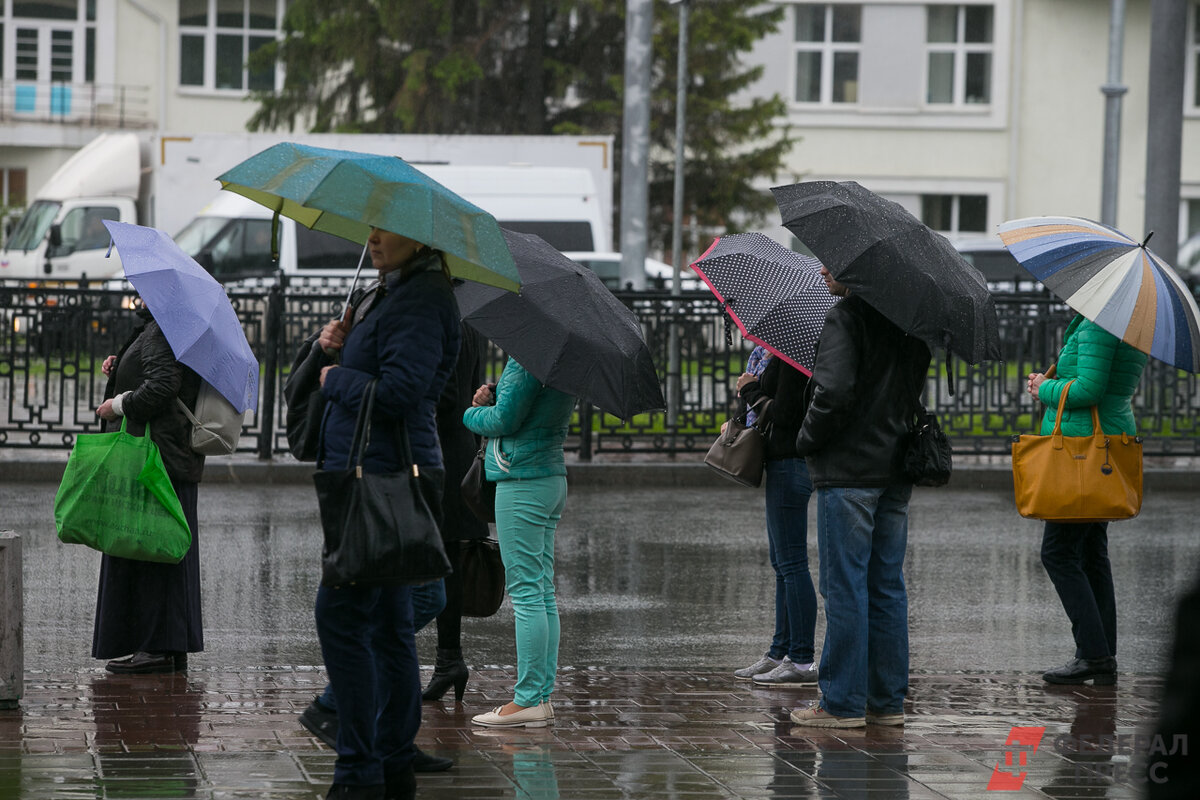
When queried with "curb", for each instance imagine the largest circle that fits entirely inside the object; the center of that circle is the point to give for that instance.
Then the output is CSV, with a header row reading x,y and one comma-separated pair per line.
x,y
969,474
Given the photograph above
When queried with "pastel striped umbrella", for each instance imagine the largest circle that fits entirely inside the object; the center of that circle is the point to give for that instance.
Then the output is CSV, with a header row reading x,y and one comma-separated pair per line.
x,y
1114,281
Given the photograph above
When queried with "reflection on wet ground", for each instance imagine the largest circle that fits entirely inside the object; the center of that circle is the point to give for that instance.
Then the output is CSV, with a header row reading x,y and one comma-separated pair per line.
x,y
618,734
662,593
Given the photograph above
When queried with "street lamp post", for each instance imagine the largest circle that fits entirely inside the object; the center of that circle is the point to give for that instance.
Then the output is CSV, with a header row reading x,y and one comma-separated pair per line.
x,y
674,377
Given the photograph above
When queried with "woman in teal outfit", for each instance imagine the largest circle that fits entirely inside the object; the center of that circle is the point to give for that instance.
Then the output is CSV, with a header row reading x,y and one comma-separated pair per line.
x,y
526,423
1104,372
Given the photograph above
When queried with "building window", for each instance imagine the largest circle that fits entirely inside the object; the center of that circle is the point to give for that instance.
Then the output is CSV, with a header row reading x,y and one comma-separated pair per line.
x,y
12,187
827,41
959,41
955,213
216,37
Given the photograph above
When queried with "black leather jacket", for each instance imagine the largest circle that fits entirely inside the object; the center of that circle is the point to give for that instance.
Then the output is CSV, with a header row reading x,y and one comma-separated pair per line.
x,y
867,378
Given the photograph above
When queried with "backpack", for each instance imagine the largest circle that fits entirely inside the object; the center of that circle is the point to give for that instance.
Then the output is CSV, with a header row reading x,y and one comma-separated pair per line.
x,y
216,424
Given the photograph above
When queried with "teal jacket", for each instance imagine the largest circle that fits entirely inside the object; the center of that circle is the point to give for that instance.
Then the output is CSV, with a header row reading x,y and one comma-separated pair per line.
x,y
525,428
1106,373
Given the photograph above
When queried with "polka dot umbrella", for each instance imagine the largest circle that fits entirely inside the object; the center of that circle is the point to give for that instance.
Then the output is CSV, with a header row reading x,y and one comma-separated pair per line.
x,y
775,296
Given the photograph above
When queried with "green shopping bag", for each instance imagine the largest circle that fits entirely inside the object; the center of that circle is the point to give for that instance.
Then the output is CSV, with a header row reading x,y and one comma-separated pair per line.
x,y
115,497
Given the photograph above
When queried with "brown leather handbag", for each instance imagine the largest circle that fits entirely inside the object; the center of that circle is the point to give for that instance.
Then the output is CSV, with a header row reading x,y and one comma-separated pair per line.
x,y
1095,478
739,451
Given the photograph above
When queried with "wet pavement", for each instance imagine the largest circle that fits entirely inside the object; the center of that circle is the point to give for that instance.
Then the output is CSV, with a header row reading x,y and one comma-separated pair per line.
x,y
662,593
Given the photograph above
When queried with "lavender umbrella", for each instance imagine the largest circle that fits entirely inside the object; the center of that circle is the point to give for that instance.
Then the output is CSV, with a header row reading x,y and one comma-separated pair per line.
x,y
192,309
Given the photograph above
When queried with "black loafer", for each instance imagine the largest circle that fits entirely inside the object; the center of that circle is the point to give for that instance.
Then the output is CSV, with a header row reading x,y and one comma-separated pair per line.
x,y
1100,671
321,722
424,762
147,663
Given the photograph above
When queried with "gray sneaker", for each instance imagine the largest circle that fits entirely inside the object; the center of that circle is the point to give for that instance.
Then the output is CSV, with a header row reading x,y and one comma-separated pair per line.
x,y
764,664
787,674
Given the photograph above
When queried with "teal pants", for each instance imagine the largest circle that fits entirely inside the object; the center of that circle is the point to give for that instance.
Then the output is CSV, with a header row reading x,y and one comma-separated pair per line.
x,y
527,512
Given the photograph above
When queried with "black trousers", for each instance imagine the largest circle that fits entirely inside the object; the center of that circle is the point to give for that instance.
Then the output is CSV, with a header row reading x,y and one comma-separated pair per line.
x,y
1075,556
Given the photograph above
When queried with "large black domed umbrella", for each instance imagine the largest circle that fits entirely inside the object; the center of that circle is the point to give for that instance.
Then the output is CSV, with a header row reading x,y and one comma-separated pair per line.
x,y
566,329
907,272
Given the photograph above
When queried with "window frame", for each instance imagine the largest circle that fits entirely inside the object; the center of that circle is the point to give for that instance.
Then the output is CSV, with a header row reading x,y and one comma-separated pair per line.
x,y
1191,72
961,49
209,34
828,50
956,199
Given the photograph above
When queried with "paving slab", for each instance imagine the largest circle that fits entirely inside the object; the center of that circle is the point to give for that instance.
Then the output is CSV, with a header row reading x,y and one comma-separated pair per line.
x,y
618,733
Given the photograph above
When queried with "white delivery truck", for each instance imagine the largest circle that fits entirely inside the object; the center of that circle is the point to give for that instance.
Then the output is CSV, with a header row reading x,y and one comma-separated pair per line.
x,y
557,186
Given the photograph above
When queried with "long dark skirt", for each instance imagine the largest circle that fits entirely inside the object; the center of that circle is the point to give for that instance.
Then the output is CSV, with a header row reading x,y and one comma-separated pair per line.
x,y
149,607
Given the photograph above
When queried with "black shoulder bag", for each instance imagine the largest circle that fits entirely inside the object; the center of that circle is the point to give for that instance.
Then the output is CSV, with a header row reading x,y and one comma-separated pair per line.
x,y
305,403
380,528
925,449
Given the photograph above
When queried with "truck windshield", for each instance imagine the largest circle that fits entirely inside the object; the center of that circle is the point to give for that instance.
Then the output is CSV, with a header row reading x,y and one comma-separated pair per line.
x,y
198,234
32,227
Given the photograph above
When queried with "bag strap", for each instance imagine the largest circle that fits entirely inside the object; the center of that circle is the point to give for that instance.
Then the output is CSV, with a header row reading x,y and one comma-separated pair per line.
x,y
362,433
1097,433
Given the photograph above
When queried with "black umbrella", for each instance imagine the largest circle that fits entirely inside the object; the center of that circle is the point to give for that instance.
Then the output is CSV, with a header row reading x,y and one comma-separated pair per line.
x,y
775,295
909,273
566,329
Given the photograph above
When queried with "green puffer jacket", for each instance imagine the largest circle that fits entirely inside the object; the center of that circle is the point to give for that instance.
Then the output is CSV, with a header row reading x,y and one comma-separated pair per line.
x,y
1106,373
526,428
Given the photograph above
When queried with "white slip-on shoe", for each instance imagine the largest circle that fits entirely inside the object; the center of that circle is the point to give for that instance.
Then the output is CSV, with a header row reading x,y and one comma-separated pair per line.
x,y
533,717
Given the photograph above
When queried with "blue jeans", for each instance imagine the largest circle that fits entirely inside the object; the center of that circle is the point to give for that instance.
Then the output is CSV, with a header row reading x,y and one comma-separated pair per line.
x,y
862,533
366,636
787,491
527,514
428,600
1076,559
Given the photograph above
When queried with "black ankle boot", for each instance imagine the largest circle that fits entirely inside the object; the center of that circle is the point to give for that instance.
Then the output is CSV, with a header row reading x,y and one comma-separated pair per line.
x,y
449,670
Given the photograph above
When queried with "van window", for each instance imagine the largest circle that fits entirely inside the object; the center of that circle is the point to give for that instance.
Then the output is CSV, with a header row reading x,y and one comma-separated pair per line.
x,y
561,235
320,251
83,229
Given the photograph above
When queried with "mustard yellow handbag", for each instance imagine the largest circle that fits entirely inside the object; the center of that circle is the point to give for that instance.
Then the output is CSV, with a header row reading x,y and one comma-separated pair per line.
x,y
1095,478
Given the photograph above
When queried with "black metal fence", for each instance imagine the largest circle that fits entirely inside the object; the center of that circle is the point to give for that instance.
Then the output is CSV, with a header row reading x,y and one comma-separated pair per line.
x,y
54,339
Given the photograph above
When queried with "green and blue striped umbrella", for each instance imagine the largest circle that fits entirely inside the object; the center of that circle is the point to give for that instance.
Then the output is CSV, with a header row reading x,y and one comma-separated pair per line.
x,y
347,193
1116,282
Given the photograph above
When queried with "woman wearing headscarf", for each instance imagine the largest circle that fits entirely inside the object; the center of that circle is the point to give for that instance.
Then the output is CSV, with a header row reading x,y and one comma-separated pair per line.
x,y
148,614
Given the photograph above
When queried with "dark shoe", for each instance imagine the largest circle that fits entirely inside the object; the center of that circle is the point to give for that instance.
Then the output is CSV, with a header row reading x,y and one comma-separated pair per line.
x,y
449,670
147,663
1100,671
424,762
321,722
343,791
400,785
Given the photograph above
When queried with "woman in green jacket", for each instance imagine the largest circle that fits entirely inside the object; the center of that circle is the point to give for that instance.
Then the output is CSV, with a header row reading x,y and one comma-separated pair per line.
x,y
526,423
1105,372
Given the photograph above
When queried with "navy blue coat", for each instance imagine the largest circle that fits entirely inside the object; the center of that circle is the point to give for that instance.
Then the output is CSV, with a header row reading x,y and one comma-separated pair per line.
x,y
409,341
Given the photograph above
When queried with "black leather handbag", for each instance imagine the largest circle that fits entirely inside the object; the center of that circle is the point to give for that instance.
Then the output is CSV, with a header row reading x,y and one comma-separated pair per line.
x,y
305,403
478,493
380,528
926,451
482,577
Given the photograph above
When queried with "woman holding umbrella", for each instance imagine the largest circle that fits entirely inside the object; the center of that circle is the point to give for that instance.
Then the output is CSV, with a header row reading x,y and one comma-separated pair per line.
x,y
526,423
148,614
1102,371
790,658
405,335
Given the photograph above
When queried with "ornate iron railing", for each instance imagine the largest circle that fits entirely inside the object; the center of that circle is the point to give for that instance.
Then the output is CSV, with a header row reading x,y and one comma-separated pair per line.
x,y
54,339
